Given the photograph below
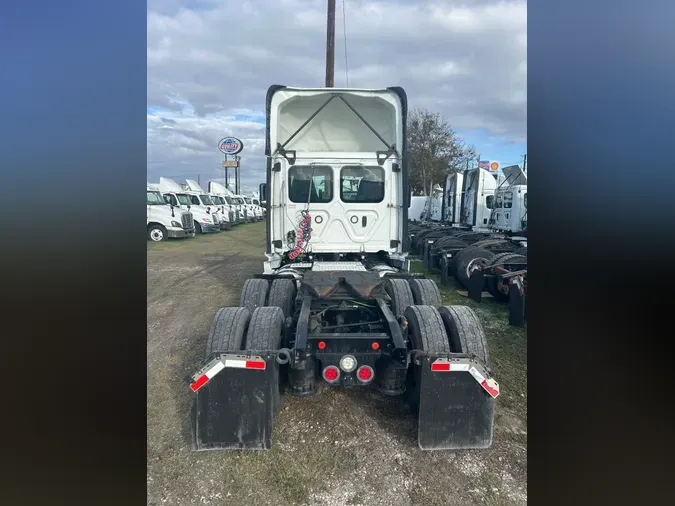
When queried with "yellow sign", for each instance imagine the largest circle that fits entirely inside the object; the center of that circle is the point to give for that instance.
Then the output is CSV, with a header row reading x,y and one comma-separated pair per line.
x,y
229,163
494,166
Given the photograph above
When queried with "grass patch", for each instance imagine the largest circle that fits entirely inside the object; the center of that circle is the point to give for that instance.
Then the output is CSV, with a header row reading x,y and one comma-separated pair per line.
x,y
293,475
247,238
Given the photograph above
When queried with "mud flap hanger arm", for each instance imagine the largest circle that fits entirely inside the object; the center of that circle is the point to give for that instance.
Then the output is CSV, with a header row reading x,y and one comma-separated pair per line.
x,y
216,362
291,156
459,363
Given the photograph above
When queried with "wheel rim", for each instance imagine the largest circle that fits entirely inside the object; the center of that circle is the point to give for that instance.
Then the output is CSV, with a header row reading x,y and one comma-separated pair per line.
x,y
156,235
476,261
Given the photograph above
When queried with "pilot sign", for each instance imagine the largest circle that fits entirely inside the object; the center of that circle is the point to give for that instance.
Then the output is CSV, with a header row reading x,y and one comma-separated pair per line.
x,y
230,146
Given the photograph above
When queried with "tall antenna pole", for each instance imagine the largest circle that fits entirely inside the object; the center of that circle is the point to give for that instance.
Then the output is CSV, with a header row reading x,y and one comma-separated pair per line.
x,y
330,45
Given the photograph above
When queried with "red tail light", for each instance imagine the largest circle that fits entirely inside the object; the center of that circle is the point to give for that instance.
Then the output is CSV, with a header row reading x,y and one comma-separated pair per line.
x,y
365,373
331,374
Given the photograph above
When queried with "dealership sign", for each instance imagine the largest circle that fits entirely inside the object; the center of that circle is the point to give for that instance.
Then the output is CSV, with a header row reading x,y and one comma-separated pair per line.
x,y
230,146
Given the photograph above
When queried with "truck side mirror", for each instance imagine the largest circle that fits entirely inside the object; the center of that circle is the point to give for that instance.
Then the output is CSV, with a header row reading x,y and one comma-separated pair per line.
x,y
263,191
409,196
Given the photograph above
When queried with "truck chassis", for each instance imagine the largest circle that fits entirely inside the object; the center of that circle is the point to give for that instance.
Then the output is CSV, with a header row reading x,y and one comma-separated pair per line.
x,y
481,261
348,323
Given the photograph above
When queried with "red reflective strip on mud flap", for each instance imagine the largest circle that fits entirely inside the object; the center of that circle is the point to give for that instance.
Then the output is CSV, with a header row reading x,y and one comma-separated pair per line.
x,y
229,363
204,378
488,384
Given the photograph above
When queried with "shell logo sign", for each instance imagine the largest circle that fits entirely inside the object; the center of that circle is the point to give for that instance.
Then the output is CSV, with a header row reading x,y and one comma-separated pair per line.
x,y
494,166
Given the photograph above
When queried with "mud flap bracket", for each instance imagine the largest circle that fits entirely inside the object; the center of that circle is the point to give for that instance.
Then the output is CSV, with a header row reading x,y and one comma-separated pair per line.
x,y
456,404
234,405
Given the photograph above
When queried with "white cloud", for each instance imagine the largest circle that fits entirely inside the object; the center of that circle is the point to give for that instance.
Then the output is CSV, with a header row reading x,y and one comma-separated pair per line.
x,y
210,63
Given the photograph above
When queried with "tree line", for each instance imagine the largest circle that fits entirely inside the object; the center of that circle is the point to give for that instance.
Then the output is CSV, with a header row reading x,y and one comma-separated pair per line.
x,y
434,150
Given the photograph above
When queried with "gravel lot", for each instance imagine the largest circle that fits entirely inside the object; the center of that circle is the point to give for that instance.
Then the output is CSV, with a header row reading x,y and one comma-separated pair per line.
x,y
338,447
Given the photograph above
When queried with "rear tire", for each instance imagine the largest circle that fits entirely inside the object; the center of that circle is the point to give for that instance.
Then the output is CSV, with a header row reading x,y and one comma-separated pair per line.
x,y
254,294
468,257
465,332
426,329
227,330
400,294
265,332
425,292
426,332
282,295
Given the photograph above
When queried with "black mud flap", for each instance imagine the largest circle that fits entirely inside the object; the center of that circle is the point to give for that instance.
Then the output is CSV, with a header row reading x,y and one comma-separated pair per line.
x,y
455,411
235,408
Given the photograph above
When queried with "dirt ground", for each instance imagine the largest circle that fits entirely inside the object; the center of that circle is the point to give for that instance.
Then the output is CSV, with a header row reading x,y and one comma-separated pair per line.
x,y
338,447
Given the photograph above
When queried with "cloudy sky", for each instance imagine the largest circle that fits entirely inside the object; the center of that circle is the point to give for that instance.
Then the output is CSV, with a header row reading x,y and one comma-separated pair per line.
x,y
210,63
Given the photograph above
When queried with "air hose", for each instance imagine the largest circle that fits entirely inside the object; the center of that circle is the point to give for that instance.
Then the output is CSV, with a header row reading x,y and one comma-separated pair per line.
x,y
303,236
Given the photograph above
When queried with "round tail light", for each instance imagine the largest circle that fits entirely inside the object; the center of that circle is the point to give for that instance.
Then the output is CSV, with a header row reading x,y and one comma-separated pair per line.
x,y
331,374
365,374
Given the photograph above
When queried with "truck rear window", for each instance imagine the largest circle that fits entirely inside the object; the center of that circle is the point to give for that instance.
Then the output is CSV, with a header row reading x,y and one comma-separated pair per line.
x,y
360,183
310,183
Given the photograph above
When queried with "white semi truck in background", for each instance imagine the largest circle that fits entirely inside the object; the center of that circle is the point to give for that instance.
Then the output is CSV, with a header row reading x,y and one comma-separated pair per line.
x,y
205,221
509,212
164,220
254,209
193,188
484,227
241,213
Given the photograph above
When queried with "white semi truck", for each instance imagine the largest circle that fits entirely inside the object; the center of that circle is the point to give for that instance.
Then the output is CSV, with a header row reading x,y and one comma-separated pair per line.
x,y
255,199
193,188
336,301
164,220
488,232
241,214
254,209
509,212
205,222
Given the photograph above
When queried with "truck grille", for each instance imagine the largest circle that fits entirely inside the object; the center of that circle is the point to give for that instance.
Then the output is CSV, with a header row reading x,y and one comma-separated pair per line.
x,y
215,219
231,216
186,220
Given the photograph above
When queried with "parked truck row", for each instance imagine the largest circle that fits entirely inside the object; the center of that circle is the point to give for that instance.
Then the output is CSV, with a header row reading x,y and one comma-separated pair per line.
x,y
176,210
474,228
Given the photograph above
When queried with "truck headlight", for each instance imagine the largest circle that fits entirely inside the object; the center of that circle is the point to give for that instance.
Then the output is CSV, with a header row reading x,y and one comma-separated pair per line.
x,y
176,224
